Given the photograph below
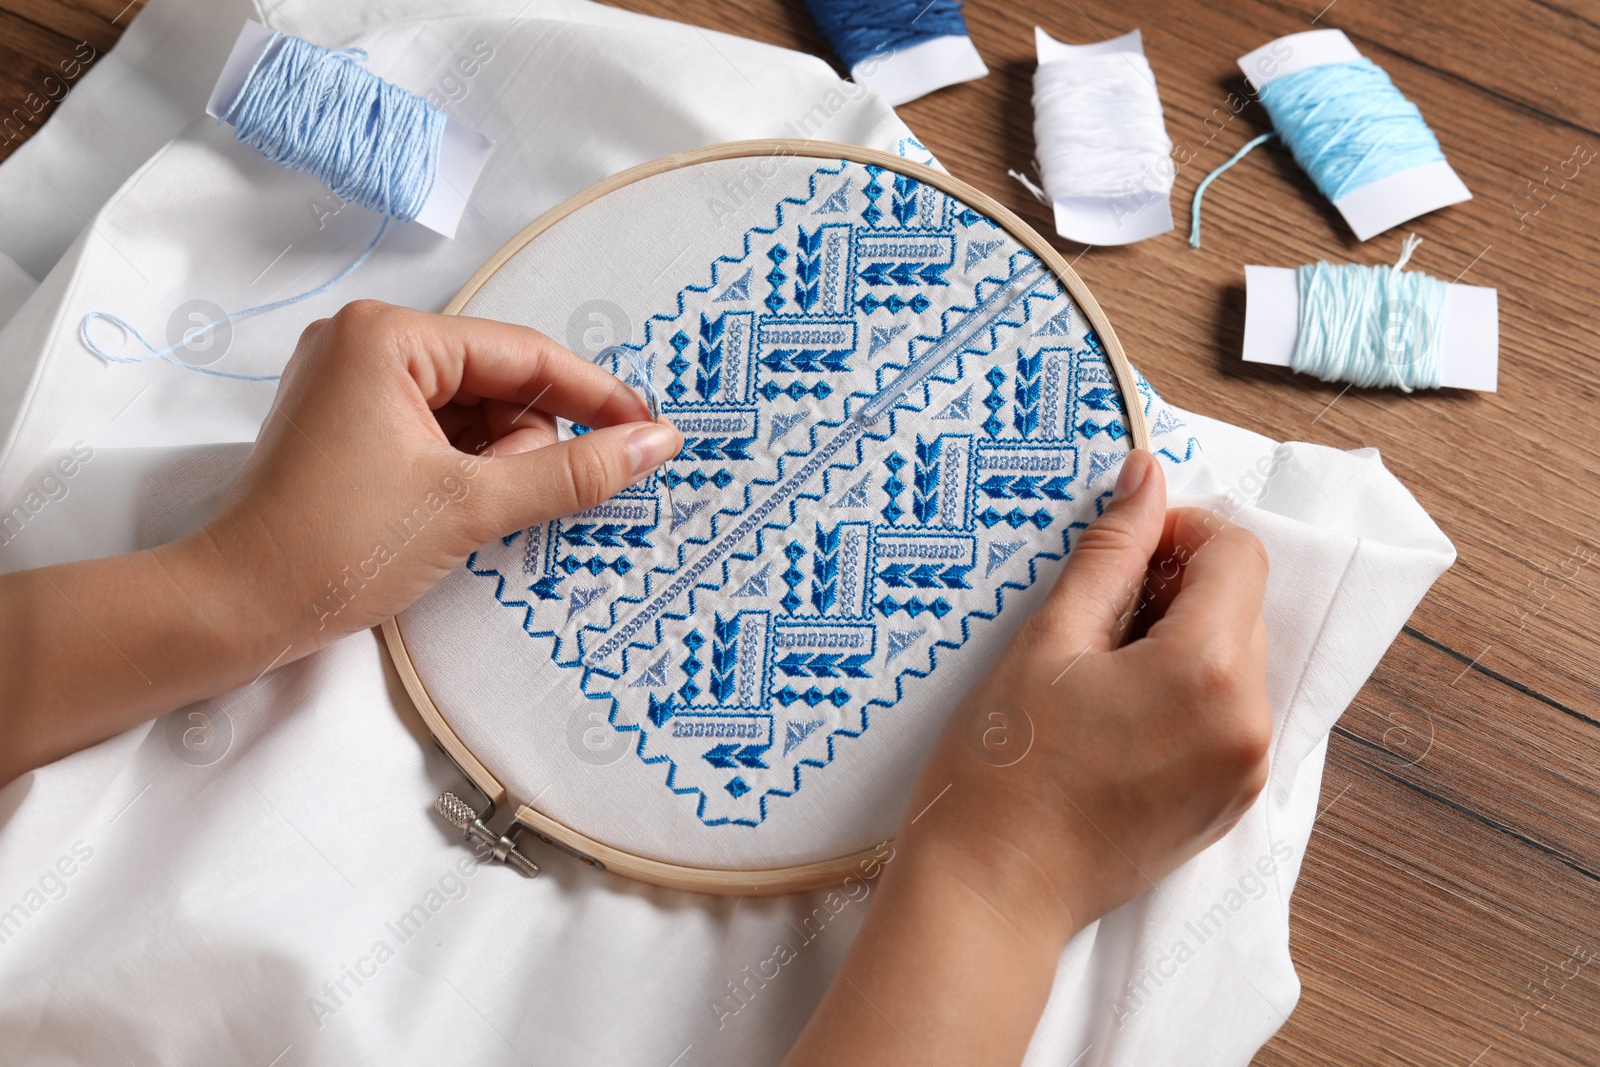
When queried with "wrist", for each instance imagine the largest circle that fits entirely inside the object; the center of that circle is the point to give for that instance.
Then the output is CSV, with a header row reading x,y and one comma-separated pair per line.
x,y
991,881
250,613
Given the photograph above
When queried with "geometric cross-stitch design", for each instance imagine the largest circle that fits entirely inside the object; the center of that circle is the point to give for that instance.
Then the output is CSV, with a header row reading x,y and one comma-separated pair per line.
x,y
894,417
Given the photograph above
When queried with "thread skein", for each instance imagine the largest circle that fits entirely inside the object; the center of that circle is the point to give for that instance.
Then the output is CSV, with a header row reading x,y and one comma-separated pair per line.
x,y
1346,125
1098,128
858,29
320,112
1371,326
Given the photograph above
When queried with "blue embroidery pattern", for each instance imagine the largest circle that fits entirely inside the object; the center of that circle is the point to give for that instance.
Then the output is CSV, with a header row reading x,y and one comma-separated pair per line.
x,y
889,405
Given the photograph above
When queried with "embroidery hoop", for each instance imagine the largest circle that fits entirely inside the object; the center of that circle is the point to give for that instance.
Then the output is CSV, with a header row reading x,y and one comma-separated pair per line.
x,y
731,881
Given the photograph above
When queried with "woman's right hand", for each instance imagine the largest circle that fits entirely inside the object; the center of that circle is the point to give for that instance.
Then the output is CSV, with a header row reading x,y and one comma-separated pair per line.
x,y
1077,773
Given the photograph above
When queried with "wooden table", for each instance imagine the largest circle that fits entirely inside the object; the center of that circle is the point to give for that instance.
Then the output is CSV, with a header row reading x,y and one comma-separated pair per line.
x,y
1451,893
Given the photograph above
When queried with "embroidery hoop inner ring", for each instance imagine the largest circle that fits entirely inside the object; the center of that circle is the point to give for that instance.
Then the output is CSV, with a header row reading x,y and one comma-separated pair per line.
x,y
721,881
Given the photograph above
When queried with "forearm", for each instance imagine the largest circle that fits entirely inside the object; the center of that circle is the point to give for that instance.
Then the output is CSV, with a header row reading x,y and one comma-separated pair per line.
x,y
90,649
937,975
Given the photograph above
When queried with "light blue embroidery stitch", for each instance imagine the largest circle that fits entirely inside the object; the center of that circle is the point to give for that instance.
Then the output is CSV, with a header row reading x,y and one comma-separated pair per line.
x,y
838,203
856,495
655,675
756,584
782,424
798,731
959,409
1058,325
738,289
882,335
684,510
722,355
582,597
999,552
900,640
1100,462
978,251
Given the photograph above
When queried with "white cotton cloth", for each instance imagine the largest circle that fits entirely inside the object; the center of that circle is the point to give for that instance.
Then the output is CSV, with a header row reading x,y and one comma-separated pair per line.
x,y
258,878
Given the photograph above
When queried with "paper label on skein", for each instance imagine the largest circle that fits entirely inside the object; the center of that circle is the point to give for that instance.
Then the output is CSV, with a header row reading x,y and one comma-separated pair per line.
x,y
903,75
1471,341
1144,212
462,151
1379,205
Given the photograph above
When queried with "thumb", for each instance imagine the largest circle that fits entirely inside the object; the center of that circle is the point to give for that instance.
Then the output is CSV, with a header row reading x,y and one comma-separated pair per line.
x,y
528,487
1104,572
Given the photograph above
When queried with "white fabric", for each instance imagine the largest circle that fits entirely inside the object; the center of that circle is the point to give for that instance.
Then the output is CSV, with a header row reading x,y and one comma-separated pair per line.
x,y
198,890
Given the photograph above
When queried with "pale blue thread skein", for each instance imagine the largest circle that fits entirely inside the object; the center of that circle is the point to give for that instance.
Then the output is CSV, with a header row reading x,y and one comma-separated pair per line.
x,y
374,144
1346,125
321,112
1371,326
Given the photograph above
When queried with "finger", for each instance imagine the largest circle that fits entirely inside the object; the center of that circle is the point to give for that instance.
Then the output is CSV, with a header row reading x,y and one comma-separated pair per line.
x,y
523,488
1104,570
451,355
504,418
1222,580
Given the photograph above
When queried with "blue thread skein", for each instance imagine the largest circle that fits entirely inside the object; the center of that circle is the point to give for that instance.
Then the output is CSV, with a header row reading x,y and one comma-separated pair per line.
x,y
1370,326
320,112
1346,125
858,29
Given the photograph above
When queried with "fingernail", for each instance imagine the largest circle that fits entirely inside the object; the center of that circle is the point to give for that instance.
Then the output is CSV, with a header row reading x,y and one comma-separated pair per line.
x,y
650,446
1135,469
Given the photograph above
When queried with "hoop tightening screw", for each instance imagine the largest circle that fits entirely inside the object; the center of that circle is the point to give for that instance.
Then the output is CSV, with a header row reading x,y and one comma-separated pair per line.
x,y
459,814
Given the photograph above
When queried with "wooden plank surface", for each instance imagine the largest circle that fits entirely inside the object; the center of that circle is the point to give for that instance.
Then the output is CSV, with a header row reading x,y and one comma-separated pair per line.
x,y
1450,900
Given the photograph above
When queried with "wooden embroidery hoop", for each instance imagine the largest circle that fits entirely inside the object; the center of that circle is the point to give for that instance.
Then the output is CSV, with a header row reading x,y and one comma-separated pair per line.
x,y
774,880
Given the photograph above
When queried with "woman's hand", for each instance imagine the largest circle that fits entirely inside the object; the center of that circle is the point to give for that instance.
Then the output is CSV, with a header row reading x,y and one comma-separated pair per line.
x,y
398,443
1140,755
1073,776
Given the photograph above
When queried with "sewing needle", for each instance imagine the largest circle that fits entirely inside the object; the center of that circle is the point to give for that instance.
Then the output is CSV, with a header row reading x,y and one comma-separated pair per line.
x,y
666,481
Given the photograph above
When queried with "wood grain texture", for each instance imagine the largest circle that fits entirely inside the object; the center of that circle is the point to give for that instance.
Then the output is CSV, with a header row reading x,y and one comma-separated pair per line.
x,y
45,47
1443,897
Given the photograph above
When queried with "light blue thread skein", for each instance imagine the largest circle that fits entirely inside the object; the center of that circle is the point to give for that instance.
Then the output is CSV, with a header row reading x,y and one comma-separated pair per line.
x,y
320,112
1346,125
1371,326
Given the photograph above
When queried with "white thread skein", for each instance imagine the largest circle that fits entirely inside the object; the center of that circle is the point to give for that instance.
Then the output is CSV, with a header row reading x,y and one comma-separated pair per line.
x,y
1098,129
